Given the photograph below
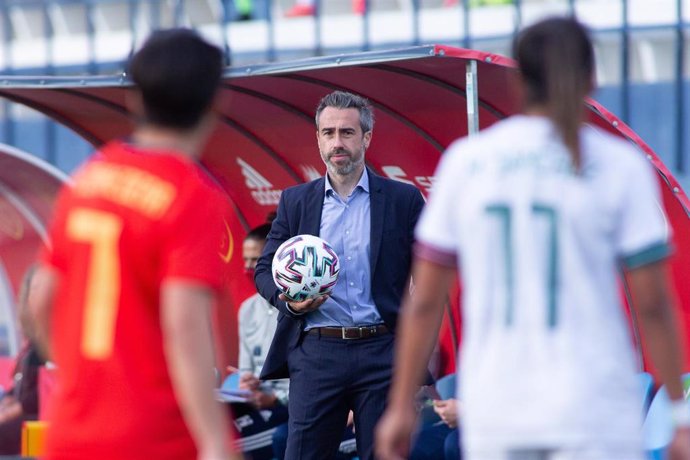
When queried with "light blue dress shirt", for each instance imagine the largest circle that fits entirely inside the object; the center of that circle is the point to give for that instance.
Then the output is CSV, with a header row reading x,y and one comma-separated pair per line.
x,y
346,226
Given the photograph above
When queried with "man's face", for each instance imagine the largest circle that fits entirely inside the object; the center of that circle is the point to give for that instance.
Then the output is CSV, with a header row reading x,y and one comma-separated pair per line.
x,y
251,251
341,141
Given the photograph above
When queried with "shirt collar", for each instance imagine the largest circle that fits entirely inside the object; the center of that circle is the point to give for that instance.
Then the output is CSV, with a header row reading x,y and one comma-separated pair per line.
x,y
363,183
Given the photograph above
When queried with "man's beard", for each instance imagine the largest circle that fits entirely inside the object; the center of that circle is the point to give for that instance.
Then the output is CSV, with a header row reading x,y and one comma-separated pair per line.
x,y
343,169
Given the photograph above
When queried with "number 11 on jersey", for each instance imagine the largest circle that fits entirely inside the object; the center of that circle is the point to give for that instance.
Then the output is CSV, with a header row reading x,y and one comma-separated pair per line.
x,y
504,214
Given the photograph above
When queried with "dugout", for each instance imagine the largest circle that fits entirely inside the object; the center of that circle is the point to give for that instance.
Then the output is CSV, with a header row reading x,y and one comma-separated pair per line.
x,y
28,188
424,98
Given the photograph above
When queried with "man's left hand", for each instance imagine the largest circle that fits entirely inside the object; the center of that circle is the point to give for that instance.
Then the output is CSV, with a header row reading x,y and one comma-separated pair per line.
x,y
262,400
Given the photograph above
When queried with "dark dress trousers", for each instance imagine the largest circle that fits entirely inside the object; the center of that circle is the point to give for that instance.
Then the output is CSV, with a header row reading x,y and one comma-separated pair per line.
x,y
328,375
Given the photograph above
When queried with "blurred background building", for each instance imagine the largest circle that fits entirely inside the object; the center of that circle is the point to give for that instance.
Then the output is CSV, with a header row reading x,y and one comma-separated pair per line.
x,y
642,49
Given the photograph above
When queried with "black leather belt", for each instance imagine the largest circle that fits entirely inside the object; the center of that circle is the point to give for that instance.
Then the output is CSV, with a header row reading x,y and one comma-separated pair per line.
x,y
350,333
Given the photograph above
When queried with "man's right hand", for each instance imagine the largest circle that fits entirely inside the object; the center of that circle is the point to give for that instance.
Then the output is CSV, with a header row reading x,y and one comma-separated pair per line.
x,y
448,411
679,449
248,381
304,306
220,454
394,431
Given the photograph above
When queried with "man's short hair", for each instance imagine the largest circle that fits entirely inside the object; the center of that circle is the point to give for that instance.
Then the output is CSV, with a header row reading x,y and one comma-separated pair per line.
x,y
259,233
345,100
177,73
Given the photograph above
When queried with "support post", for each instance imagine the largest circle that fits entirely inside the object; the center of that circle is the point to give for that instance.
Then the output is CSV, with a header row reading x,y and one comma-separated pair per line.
x,y
472,95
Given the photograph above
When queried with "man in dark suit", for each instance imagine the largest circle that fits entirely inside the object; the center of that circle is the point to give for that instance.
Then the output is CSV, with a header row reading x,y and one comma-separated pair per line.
x,y
338,349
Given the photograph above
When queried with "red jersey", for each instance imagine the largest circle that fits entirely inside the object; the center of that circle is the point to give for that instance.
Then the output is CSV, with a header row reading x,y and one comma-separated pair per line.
x,y
132,219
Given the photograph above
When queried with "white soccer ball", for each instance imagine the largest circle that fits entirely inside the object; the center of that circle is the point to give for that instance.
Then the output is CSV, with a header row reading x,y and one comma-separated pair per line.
x,y
305,266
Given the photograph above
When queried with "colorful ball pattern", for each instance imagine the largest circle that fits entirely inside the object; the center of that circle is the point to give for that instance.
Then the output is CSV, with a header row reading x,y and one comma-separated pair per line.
x,y
304,267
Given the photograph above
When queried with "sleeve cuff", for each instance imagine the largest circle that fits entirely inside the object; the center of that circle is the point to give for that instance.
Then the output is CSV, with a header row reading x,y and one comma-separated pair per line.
x,y
293,312
436,255
650,254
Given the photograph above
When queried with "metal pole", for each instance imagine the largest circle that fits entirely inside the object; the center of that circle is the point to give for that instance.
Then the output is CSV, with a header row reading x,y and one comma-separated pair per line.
x,y
7,37
472,95
155,14
518,15
133,11
680,88
366,46
625,65
49,36
466,24
178,13
50,68
8,128
223,24
415,22
271,51
91,36
318,51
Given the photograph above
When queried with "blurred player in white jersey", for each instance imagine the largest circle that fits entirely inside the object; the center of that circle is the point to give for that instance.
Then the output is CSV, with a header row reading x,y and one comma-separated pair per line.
x,y
539,213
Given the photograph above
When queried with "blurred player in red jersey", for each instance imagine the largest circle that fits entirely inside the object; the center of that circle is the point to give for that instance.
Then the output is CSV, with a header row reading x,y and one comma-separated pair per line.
x,y
139,250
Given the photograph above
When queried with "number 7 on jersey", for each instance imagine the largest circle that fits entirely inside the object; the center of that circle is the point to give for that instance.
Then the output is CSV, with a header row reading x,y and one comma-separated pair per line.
x,y
101,231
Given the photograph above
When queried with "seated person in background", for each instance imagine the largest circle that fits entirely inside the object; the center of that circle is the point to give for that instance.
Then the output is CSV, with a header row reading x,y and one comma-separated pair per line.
x,y
20,402
437,439
449,411
257,325
262,423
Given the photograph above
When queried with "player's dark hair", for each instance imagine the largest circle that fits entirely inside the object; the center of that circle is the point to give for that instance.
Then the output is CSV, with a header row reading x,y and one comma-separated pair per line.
x,y
345,100
177,73
556,61
259,233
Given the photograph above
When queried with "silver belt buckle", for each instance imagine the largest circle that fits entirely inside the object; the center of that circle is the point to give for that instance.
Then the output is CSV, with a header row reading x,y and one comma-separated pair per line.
x,y
361,329
344,333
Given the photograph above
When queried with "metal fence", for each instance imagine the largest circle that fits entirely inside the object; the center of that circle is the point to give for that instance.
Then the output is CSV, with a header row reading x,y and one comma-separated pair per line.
x,y
642,46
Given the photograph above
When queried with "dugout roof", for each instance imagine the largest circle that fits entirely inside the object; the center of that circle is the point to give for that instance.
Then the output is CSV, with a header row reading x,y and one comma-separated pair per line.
x,y
266,142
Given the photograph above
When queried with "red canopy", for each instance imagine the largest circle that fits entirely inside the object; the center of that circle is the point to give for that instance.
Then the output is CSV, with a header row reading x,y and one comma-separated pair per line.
x,y
28,187
266,139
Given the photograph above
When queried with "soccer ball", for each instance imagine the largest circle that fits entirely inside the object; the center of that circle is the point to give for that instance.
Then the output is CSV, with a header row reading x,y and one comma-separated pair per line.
x,y
305,266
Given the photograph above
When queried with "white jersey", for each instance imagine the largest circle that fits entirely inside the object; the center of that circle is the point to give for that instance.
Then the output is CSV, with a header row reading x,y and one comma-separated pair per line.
x,y
258,320
547,357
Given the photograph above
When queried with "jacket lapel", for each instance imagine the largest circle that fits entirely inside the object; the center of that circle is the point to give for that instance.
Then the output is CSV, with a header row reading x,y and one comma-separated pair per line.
x,y
377,201
314,207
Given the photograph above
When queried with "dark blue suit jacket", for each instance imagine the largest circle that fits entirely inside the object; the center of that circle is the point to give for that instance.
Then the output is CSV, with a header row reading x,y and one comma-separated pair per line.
x,y
395,208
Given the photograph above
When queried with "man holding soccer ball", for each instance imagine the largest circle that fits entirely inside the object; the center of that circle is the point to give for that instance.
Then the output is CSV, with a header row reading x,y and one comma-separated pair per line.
x,y
338,349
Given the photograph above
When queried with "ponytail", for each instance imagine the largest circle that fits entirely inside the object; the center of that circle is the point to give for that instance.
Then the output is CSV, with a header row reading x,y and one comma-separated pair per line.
x,y
556,61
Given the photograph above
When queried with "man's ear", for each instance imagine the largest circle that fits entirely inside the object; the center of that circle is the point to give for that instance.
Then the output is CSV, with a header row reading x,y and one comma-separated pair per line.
x,y
367,139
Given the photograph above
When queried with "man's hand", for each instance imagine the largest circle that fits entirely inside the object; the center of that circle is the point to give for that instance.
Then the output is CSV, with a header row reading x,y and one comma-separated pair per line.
x,y
448,411
263,400
259,399
248,381
10,409
221,454
394,431
679,449
304,306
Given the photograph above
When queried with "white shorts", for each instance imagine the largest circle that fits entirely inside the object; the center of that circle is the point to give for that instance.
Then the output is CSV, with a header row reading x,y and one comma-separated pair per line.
x,y
583,453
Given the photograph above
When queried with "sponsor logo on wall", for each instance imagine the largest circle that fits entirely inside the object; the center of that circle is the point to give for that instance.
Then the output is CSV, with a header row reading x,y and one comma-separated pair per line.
x,y
310,172
260,188
424,183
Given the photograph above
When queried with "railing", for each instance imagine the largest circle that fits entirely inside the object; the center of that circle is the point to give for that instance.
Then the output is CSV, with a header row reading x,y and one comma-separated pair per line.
x,y
640,43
